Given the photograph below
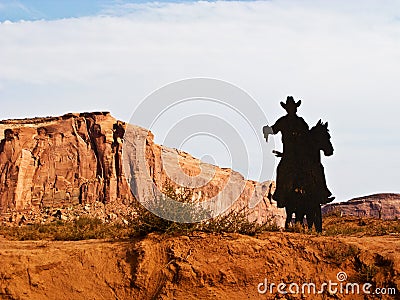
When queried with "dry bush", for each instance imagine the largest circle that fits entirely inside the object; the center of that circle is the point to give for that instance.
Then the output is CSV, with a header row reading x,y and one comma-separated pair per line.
x,y
339,253
80,229
334,225
233,222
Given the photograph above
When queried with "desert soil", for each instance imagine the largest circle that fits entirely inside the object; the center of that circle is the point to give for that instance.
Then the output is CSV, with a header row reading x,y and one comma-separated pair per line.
x,y
198,266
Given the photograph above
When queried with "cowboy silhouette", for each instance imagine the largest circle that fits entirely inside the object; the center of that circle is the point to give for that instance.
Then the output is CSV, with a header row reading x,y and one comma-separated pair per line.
x,y
298,172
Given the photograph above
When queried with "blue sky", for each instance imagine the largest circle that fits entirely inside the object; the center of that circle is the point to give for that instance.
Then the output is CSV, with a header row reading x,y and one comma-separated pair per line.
x,y
33,10
342,58
15,10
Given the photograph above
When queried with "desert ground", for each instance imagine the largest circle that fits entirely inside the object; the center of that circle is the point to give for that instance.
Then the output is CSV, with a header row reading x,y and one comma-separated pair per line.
x,y
200,265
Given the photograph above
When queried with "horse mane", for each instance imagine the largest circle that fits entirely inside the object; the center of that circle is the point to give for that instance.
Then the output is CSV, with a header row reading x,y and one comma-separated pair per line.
x,y
320,128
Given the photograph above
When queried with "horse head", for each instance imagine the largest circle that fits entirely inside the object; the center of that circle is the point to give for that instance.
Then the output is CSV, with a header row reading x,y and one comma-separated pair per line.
x,y
322,138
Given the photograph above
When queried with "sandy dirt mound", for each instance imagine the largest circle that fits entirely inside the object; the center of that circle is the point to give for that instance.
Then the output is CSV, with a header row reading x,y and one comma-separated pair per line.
x,y
199,266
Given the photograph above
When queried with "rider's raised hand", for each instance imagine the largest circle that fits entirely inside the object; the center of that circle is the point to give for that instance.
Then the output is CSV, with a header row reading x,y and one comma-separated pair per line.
x,y
267,131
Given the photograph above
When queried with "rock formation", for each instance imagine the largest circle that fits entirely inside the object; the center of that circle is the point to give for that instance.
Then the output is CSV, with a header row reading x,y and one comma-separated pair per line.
x,y
76,160
382,206
57,161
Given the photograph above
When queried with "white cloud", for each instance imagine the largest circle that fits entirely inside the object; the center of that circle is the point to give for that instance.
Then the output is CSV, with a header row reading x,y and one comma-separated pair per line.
x,y
342,58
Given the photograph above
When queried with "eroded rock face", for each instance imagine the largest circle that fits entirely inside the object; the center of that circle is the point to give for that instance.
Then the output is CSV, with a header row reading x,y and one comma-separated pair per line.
x,y
77,160
382,206
71,159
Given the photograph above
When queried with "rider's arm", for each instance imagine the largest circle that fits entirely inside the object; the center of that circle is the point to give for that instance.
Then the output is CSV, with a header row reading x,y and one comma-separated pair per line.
x,y
274,129
267,131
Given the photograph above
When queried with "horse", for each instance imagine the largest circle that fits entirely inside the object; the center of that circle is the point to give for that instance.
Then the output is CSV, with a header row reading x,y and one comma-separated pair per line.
x,y
308,190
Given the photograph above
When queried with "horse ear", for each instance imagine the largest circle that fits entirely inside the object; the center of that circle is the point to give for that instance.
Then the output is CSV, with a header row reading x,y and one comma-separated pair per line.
x,y
319,122
326,125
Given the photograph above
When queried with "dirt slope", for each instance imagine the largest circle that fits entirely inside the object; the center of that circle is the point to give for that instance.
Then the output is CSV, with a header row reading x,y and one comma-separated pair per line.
x,y
199,266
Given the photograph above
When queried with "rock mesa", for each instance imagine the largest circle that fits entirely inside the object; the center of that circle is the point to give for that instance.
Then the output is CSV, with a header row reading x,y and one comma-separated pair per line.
x,y
382,206
77,159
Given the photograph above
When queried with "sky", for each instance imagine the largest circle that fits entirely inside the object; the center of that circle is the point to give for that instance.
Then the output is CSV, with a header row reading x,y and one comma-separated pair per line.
x,y
341,58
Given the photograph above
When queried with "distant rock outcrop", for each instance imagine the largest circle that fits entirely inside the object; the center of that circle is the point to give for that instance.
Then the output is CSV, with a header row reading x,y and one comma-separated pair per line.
x,y
382,206
72,164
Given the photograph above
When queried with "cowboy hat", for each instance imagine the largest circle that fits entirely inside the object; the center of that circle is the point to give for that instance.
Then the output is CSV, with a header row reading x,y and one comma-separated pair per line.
x,y
290,102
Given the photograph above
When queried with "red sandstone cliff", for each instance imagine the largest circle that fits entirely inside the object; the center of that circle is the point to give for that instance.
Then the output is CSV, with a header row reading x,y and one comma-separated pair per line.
x,y
65,160
75,161
382,206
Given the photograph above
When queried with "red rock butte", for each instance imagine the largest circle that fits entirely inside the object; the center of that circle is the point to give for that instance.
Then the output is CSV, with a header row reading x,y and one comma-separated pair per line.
x,y
381,206
76,160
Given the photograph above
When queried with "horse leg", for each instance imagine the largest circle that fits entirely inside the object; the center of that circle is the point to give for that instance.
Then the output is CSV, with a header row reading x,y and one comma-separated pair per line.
x,y
300,215
309,216
289,213
301,211
318,218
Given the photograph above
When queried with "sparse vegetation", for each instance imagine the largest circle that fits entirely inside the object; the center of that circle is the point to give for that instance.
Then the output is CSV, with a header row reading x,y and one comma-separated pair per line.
x,y
366,273
299,228
237,222
143,223
146,222
339,253
334,225
232,222
80,229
